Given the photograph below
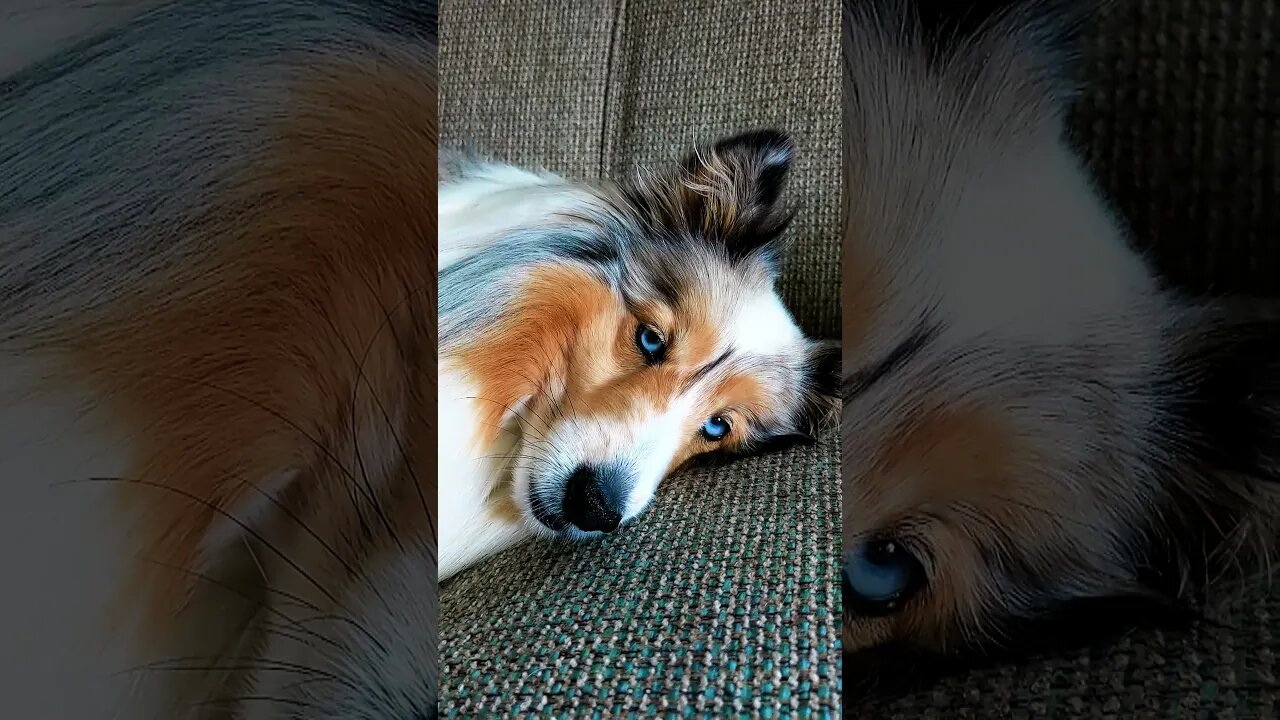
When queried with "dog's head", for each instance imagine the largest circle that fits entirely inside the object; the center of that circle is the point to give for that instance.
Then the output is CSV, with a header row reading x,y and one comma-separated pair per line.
x,y
1037,436
638,328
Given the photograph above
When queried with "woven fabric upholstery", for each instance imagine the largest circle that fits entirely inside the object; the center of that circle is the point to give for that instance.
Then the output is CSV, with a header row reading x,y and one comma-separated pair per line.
x,y
721,600
525,81
1180,119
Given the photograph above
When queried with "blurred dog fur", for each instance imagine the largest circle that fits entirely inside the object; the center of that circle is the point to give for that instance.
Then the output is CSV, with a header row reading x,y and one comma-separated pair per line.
x,y
217,359
1042,443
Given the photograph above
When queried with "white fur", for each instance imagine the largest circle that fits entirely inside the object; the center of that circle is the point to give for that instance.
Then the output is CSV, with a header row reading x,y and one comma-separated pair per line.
x,y
496,199
644,445
764,326
1029,227
469,528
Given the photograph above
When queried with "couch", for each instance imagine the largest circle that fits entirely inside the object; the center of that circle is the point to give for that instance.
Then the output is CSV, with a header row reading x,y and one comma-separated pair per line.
x,y
722,600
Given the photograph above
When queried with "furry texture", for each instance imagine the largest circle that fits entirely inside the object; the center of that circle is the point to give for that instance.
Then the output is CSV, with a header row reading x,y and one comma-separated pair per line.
x,y
548,288
1041,442
217,227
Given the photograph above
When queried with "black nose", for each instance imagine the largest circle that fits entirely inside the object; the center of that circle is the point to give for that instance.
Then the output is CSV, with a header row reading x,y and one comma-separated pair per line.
x,y
591,500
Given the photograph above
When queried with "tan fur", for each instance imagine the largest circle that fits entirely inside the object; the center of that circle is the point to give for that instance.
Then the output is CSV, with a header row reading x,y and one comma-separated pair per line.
x,y
948,458
517,357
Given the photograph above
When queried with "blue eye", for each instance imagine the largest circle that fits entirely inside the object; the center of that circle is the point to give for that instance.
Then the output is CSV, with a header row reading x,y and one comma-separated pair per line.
x,y
651,343
879,575
715,428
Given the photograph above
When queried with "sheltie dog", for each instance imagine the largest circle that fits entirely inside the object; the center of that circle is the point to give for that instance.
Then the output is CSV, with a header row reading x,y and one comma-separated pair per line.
x,y
596,336
1041,442
217,359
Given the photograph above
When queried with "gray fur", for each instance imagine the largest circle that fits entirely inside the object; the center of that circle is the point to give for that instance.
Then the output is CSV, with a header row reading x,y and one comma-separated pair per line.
x,y
474,292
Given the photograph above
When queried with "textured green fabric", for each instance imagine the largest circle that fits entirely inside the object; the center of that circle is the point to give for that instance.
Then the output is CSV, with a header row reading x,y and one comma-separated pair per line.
x,y
1180,119
719,601
722,600
1203,672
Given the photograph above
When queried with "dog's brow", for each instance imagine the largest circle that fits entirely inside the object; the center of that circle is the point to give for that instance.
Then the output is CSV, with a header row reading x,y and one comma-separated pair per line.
x,y
859,381
702,371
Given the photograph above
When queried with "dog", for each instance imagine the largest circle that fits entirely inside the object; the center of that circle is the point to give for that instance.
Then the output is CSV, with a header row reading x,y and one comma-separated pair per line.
x,y
217,359
595,337
1042,441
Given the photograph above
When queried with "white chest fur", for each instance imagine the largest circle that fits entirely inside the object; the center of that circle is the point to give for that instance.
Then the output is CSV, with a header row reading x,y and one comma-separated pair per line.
x,y
471,524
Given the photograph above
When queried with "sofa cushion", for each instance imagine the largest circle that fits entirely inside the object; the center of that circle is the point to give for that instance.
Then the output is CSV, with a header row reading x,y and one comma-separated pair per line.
x,y
720,600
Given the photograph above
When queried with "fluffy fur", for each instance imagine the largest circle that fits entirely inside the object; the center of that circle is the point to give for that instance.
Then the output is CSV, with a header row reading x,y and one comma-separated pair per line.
x,y
1060,444
217,353
554,418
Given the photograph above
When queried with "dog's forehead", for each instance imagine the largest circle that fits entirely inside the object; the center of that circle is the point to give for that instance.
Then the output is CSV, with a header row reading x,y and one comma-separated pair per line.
x,y
735,301
1012,247
761,326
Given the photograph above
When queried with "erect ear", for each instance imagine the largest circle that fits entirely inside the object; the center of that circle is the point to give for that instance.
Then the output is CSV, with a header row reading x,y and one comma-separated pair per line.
x,y
725,193
743,173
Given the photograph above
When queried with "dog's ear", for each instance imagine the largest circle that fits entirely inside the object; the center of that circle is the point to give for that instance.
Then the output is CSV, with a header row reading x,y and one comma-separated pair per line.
x,y
734,187
742,175
726,193
819,387
1218,454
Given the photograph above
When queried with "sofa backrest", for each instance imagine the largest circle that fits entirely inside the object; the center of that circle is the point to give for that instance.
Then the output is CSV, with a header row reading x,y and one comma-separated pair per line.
x,y
1180,119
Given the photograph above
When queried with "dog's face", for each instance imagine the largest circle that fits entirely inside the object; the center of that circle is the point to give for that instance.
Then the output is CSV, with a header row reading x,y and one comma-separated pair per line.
x,y
654,335
1024,422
